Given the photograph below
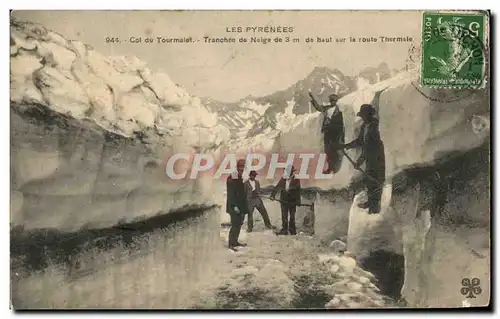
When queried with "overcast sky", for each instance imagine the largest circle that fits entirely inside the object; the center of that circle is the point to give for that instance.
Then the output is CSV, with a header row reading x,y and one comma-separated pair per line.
x,y
229,72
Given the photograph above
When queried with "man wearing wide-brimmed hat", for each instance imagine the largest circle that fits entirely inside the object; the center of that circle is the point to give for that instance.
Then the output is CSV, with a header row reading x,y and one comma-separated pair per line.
x,y
252,190
372,153
289,187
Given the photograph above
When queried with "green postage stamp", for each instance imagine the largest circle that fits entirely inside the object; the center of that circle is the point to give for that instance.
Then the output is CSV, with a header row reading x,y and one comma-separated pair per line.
x,y
453,49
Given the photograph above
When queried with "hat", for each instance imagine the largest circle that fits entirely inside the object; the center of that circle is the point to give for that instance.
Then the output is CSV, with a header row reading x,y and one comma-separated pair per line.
x,y
366,109
253,173
333,96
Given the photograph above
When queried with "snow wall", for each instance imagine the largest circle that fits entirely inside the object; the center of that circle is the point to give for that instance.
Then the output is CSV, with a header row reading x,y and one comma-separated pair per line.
x,y
420,127
89,135
415,126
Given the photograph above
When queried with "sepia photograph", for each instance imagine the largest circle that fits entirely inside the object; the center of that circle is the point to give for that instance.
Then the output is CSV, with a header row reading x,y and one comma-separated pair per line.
x,y
250,159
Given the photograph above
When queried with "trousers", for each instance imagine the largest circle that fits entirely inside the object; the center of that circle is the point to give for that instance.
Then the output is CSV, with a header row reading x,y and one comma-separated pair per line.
x,y
259,205
333,155
234,232
375,177
288,218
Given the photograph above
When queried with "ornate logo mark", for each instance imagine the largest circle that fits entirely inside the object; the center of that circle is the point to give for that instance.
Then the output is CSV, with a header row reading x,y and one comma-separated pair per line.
x,y
470,288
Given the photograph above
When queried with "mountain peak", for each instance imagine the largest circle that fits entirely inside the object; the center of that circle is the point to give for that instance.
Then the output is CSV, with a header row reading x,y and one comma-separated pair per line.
x,y
383,65
323,70
376,74
320,69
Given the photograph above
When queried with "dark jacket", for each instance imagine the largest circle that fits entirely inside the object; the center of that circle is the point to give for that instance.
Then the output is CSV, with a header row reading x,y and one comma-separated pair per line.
x,y
333,136
252,194
236,196
333,129
372,149
292,196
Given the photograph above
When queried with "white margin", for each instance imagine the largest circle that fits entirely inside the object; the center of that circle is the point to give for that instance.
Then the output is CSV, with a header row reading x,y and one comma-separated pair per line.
x,y
148,4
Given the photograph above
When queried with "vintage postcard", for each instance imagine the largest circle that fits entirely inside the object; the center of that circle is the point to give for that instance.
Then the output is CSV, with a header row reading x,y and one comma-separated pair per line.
x,y
250,159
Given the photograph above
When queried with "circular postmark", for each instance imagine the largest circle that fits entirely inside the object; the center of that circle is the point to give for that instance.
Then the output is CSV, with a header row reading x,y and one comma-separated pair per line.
x,y
464,52
459,60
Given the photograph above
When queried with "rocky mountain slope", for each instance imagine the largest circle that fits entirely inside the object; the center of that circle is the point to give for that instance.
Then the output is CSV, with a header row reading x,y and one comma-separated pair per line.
x,y
417,126
238,117
420,128
322,82
253,115
89,135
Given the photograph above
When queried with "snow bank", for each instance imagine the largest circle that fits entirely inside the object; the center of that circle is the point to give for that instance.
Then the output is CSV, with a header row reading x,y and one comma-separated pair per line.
x,y
371,232
415,127
120,94
413,224
154,270
418,128
89,134
286,272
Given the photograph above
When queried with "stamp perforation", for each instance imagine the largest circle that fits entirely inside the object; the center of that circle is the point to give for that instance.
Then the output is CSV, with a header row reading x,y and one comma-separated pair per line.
x,y
460,57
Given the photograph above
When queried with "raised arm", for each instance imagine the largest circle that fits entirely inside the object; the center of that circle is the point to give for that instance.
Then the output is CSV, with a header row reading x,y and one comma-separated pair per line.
x,y
326,120
313,101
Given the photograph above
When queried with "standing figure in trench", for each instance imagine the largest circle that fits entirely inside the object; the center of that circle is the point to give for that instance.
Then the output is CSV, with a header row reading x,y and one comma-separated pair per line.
x,y
252,190
289,186
372,152
236,204
333,132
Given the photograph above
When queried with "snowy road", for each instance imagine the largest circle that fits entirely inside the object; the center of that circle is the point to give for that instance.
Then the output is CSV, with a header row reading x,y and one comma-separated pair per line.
x,y
187,264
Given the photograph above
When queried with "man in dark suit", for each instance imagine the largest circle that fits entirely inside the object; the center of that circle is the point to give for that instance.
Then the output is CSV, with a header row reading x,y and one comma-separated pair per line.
x,y
289,187
252,190
333,132
236,204
372,153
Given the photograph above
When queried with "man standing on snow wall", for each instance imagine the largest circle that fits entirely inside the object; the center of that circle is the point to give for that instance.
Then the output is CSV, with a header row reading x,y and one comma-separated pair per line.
x,y
236,204
333,132
372,152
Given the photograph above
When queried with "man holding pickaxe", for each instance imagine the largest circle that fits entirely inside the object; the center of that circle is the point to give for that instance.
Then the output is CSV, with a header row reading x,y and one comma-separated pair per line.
x,y
372,153
252,190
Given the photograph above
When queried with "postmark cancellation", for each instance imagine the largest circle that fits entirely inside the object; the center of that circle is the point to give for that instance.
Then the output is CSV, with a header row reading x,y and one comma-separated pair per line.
x,y
453,53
